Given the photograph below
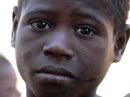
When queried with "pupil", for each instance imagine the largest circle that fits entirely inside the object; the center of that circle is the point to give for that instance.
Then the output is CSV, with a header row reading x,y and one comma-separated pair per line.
x,y
84,31
41,24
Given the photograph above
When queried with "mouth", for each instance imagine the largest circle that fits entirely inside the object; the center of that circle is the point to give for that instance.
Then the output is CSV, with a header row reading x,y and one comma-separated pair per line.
x,y
54,75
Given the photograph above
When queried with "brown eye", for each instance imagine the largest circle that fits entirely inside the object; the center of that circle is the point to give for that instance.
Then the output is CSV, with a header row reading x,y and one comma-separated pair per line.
x,y
85,30
40,25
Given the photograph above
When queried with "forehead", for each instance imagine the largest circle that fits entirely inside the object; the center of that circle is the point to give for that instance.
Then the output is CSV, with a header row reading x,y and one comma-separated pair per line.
x,y
66,6
66,9
65,3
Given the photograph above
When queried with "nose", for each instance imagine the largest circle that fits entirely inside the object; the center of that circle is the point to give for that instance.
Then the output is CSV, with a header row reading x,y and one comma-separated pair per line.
x,y
57,51
58,48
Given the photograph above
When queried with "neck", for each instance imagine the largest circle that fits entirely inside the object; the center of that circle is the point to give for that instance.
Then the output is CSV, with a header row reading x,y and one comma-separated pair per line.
x,y
29,93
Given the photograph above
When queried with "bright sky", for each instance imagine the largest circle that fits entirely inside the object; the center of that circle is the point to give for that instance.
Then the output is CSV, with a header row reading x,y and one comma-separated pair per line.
x,y
115,84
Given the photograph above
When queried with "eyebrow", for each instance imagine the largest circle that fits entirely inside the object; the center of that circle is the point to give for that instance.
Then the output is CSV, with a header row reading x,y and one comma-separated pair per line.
x,y
40,11
89,16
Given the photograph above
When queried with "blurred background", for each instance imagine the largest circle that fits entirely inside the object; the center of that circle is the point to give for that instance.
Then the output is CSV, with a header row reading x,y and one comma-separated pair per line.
x,y
115,84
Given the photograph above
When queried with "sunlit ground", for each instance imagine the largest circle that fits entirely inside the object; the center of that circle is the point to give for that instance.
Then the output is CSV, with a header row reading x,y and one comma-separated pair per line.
x,y
115,84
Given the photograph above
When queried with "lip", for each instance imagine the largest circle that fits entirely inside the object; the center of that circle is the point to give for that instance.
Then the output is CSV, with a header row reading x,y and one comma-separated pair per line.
x,y
54,75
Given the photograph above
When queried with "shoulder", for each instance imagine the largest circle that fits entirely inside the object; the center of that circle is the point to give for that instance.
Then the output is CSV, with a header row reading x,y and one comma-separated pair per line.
x,y
128,95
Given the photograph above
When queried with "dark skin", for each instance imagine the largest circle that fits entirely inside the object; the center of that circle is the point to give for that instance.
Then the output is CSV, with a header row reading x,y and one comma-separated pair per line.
x,y
64,50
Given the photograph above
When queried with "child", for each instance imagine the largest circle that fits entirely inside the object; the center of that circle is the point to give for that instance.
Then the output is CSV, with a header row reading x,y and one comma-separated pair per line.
x,y
64,48
7,79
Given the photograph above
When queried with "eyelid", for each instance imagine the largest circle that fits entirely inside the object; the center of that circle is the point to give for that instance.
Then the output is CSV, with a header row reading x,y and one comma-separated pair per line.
x,y
37,19
89,26
89,36
32,21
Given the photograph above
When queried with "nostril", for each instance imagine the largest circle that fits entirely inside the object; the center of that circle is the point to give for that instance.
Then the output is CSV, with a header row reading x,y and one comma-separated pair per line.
x,y
68,55
59,52
47,53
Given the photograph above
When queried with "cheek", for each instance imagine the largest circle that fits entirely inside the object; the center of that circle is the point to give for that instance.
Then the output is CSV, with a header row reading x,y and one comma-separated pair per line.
x,y
95,59
27,45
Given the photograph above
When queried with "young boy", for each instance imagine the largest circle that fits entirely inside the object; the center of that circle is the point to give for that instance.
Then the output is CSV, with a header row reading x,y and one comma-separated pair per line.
x,y
7,79
65,47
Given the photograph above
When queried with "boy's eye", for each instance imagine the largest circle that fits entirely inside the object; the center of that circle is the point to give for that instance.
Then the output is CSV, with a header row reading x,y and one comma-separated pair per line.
x,y
40,25
85,30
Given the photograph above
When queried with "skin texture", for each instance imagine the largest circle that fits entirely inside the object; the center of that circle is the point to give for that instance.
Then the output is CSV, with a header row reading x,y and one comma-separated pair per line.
x,y
29,93
8,82
64,50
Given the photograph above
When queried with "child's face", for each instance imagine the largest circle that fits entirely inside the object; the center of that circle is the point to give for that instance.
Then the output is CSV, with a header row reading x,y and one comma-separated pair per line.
x,y
8,82
63,47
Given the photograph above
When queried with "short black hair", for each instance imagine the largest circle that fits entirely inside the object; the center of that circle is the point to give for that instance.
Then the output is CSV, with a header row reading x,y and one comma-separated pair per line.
x,y
115,10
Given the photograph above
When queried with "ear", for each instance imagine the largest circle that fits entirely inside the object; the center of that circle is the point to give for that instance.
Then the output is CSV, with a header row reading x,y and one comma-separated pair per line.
x,y
120,44
15,24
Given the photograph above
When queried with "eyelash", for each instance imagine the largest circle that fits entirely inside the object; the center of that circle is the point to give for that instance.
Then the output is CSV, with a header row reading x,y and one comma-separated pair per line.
x,y
85,30
40,24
